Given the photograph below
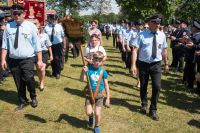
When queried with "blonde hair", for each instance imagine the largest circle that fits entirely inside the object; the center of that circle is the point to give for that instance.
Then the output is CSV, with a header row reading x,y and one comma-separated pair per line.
x,y
95,21
98,54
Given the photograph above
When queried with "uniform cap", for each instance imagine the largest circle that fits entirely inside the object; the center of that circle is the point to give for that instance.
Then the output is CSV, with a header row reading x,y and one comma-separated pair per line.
x,y
183,21
155,19
139,22
196,24
1,17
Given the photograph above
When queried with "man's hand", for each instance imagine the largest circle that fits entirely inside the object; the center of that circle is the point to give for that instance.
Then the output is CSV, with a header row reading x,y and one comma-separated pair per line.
x,y
189,45
3,65
123,49
128,49
133,71
172,38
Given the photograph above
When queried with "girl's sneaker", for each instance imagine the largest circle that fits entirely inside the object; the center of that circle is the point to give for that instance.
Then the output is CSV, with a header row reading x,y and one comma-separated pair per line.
x,y
96,130
91,121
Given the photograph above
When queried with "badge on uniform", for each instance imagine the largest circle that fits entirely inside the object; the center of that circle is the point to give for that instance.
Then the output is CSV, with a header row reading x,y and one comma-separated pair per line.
x,y
25,36
159,46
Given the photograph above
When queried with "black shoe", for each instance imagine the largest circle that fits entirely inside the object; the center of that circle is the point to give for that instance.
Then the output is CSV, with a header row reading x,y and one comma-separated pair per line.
x,y
21,106
153,115
34,103
53,75
57,76
143,110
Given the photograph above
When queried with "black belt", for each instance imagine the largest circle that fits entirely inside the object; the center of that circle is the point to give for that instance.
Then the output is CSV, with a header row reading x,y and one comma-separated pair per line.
x,y
152,63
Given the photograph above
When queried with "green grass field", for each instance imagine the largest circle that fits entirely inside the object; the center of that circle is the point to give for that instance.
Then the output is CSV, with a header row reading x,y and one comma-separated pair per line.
x,y
61,104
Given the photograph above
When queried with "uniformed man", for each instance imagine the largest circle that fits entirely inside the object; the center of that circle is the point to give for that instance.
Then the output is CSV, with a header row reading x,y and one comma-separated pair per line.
x,y
151,45
58,40
21,40
194,44
173,43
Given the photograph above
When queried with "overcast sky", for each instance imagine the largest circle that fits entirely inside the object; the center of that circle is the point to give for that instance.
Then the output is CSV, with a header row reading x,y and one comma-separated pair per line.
x,y
115,9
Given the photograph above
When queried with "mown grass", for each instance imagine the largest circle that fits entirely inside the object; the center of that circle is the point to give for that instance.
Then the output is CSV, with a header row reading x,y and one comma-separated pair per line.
x,y
61,104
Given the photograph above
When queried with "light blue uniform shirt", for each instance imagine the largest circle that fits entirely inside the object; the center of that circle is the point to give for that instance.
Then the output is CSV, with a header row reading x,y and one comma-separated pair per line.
x,y
44,41
28,40
145,43
133,37
122,31
58,33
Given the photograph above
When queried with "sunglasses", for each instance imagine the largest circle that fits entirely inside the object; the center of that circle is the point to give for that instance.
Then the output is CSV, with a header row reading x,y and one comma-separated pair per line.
x,y
17,13
98,59
146,27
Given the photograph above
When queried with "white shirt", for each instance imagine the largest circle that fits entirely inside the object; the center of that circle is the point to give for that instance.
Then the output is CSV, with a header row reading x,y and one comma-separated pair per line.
x,y
89,51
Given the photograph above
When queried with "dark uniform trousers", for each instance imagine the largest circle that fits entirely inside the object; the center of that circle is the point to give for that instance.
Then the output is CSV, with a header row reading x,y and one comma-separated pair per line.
x,y
189,74
153,70
23,74
128,59
198,70
114,39
57,63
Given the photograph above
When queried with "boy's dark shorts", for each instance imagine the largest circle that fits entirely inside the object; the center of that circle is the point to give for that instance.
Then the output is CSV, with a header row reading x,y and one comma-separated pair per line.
x,y
98,102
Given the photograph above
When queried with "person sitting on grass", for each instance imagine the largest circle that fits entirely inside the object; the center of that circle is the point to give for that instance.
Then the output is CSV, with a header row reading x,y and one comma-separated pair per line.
x,y
98,79
93,47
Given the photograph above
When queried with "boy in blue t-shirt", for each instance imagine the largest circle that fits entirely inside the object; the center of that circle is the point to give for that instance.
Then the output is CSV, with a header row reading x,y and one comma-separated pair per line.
x,y
94,74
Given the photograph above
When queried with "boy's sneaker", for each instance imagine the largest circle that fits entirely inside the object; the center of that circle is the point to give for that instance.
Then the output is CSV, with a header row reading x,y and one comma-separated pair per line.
x,y
91,121
96,130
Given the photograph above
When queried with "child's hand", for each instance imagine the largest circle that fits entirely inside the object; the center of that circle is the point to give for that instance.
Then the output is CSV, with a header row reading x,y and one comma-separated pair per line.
x,y
90,62
85,69
107,104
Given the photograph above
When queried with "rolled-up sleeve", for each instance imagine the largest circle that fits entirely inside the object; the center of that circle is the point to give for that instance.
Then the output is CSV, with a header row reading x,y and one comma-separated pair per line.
x,y
5,40
164,42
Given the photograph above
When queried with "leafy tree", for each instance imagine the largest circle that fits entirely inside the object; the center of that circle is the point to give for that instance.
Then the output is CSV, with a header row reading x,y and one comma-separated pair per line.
x,y
73,5
188,9
135,9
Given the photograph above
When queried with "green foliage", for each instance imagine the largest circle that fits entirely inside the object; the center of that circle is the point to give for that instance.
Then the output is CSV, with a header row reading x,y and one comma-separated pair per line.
x,y
189,10
73,5
137,9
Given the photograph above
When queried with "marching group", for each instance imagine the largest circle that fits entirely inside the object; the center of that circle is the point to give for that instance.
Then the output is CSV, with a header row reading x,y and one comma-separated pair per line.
x,y
143,45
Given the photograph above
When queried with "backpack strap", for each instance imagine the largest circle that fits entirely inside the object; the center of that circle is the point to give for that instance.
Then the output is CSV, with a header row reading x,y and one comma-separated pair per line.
x,y
98,84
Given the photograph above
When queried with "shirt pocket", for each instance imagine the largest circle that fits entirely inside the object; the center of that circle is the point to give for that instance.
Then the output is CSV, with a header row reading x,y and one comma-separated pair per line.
x,y
11,36
26,35
146,43
159,43
49,31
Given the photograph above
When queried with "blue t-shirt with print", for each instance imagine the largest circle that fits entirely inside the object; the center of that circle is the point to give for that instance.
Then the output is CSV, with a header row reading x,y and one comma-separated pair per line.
x,y
94,74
